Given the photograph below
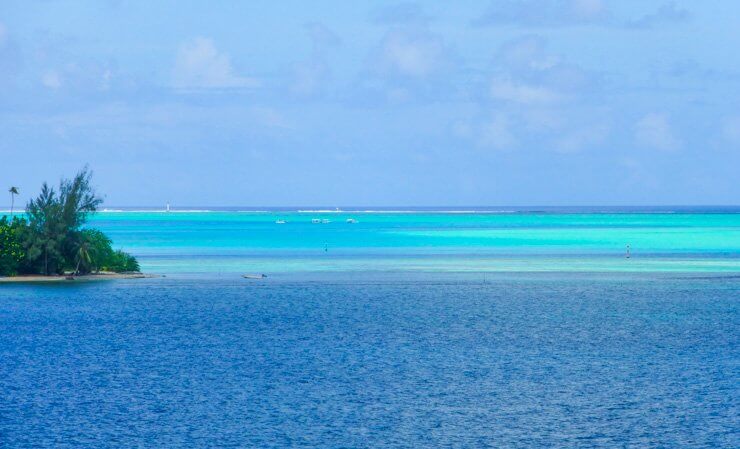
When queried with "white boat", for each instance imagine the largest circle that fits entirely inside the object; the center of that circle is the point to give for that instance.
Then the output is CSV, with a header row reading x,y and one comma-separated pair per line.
x,y
325,221
254,276
280,221
315,220
351,221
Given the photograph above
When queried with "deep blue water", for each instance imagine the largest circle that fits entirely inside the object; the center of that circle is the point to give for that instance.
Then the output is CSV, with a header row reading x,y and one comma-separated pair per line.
x,y
429,360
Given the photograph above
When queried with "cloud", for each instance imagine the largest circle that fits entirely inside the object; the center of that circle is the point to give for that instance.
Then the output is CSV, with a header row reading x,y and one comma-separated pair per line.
x,y
508,90
654,130
409,64
496,133
526,53
412,53
200,65
79,77
579,139
544,13
525,72
542,102
667,13
51,79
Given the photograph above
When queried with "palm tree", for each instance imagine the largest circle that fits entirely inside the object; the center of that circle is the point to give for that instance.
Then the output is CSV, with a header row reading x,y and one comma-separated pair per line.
x,y
13,192
84,253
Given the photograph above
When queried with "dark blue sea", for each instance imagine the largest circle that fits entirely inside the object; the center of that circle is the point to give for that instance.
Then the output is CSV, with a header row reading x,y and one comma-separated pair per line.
x,y
372,360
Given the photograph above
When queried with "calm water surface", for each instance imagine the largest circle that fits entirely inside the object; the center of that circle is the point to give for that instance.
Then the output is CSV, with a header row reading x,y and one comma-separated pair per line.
x,y
239,241
537,360
402,330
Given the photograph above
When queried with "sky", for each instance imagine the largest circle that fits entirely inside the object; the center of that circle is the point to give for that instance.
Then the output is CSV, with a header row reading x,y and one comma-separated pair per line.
x,y
335,103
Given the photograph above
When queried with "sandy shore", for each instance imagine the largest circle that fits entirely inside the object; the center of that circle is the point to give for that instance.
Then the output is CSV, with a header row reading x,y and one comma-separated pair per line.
x,y
86,277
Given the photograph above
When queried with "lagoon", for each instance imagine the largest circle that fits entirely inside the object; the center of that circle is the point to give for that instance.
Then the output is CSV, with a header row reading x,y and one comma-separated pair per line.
x,y
438,241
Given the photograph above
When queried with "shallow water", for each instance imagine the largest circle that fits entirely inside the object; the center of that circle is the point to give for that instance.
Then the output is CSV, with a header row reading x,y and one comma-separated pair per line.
x,y
373,360
249,241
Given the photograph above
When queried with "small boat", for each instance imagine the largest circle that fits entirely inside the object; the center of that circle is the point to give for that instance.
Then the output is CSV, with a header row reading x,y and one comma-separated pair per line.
x,y
315,221
280,221
254,276
351,221
325,221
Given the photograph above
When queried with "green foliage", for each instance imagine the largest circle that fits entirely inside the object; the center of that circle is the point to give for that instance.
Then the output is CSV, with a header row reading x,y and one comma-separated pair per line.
x,y
46,234
102,257
123,262
101,252
11,249
53,240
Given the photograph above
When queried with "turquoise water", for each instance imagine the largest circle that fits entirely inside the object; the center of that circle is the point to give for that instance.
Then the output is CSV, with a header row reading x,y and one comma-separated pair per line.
x,y
240,241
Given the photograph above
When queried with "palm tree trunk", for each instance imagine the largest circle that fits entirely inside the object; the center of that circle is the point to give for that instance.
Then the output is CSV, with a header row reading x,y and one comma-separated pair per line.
x,y
12,203
77,270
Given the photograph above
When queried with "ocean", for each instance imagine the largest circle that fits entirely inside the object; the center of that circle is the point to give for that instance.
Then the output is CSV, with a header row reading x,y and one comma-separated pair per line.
x,y
492,328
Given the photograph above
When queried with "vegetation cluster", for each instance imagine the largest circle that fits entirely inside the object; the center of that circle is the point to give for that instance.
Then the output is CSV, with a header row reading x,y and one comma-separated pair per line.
x,y
52,238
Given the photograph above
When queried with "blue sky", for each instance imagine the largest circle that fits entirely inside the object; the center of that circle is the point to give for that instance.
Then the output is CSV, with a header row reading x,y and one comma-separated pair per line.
x,y
497,102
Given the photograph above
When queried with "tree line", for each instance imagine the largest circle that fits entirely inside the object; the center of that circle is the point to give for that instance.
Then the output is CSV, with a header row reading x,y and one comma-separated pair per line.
x,y
51,238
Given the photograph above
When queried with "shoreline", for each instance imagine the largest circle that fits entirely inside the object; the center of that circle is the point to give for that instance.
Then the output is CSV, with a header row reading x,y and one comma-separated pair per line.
x,y
39,278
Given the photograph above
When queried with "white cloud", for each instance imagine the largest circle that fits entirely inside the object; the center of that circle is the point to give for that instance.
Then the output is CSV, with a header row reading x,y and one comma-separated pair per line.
x,y
494,132
526,53
506,89
412,54
654,130
51,79
527,73
80,77
582,138
200,65
588,9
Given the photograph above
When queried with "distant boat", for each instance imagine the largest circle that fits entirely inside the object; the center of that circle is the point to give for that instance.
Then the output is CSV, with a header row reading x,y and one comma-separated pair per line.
x,y
315,221
351,221
254,276
280,221
168,207
325,221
